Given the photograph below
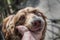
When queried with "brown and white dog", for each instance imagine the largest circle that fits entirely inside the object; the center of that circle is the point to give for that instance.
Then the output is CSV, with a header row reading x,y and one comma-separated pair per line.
x,y
30,17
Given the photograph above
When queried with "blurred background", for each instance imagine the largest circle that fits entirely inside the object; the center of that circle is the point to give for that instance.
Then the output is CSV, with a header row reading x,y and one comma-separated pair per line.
x,y
51,9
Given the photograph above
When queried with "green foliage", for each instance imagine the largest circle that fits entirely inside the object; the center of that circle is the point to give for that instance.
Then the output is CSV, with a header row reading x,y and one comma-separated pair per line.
x,y
6,5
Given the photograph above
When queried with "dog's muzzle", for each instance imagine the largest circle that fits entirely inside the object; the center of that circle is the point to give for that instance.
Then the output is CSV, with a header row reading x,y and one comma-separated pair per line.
x,y
37,24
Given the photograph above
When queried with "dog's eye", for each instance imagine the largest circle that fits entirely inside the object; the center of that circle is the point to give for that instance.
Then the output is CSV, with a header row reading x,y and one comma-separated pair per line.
x,y
21,20
37,13
22,17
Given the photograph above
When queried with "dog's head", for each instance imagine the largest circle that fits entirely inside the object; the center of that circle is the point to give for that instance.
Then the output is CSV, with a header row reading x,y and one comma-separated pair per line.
x,y
30,17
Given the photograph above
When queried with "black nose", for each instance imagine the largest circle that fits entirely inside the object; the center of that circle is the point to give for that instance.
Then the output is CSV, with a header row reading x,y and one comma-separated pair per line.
x,y
36,23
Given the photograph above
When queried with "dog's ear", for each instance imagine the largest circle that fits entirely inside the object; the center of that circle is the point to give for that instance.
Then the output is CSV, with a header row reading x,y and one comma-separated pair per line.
x,y
6,20
4,24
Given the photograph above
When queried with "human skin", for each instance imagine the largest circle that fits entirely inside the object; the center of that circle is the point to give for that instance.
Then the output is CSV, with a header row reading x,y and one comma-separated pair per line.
x,y
25,32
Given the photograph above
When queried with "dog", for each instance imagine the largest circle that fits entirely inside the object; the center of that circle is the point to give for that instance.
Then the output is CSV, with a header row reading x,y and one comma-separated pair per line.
x,y
30,17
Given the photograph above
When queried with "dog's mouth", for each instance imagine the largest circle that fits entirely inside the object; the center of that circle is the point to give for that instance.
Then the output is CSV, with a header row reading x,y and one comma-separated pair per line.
x,y
36,25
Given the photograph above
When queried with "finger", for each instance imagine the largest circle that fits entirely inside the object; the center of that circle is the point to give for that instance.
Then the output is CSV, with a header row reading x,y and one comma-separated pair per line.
x,y
22,29
18,27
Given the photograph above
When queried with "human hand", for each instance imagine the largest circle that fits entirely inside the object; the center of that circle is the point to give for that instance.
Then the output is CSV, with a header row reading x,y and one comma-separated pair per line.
x,y
22,29
25,32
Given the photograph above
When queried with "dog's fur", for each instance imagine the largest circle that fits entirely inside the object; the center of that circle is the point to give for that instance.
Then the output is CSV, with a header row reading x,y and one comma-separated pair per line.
x,y
23,17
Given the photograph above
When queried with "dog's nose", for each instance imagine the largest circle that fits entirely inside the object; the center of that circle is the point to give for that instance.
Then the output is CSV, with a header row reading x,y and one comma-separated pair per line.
x,y
36,23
